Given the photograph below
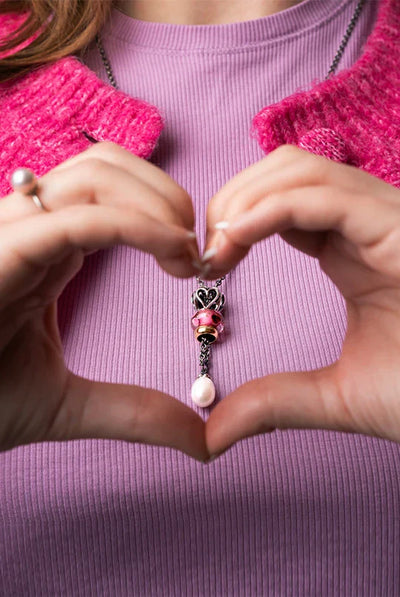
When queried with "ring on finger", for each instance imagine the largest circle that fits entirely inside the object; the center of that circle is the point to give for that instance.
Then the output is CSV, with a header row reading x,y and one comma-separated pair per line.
x,y
25,181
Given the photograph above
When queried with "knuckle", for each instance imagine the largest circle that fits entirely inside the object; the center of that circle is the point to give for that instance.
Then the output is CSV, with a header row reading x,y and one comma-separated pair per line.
x,y
94,168
322,169
106,148
336,397
180,206
183,197
185,212
287,150
177,194
313,167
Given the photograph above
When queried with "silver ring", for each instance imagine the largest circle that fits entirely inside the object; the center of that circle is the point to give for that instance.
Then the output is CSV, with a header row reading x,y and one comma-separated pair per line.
x,y
25,181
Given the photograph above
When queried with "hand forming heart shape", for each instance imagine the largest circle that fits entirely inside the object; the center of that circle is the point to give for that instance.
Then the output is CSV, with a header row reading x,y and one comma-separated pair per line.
x,y
346,218
350,221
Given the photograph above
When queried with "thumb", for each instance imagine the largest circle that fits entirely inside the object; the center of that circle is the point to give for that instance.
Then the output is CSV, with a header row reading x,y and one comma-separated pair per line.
x,y
307,400
93,409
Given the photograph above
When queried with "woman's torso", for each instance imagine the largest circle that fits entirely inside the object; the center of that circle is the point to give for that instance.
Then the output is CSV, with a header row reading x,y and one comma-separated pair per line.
x,y
288,513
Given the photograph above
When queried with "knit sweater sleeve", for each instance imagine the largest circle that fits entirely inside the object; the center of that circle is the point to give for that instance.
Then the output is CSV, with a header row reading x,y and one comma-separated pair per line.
x,y
53,107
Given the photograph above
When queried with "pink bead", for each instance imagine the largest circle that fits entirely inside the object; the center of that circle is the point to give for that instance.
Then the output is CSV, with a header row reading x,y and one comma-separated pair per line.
x,y
208,317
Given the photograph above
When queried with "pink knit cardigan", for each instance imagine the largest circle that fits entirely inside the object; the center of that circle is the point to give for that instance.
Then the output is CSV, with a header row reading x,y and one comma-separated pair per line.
x,y
354,117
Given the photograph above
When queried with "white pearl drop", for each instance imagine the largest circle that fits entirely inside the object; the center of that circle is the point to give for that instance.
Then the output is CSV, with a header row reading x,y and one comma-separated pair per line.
x,y
203,391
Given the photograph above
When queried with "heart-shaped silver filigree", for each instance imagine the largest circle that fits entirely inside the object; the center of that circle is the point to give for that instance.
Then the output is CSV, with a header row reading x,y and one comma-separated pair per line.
x,y
208,298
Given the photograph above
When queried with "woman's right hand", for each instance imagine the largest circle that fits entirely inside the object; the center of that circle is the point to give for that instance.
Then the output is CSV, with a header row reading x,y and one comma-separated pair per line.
x,y
99,198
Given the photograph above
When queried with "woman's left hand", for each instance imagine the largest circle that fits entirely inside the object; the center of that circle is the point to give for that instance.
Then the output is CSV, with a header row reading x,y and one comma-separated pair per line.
x,y
350,221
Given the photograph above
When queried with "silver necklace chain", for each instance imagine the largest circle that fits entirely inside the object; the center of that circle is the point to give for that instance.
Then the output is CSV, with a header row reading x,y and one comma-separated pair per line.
x,y
336,60
331,71
206,342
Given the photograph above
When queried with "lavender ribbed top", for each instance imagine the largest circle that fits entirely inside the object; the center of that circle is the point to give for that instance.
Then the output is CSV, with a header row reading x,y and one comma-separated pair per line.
x,y
289,513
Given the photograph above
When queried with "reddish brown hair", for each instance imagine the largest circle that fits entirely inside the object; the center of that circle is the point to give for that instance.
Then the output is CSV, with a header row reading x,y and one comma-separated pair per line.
x,y
66,27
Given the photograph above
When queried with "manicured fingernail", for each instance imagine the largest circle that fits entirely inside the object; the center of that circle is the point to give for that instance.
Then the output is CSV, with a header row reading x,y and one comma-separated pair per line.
x,y
209,253
191,234
221,225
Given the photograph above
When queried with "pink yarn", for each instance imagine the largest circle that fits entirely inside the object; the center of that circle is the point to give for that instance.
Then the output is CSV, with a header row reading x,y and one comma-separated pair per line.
x,y
302,512
325,142
353,117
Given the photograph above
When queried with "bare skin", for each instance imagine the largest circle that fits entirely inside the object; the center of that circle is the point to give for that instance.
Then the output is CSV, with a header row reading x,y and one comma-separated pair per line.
x,y
349,221
202,12
101,197
346,218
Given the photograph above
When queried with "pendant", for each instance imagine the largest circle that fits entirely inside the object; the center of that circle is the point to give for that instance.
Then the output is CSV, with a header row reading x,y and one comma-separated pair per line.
x,y
207,323
203,391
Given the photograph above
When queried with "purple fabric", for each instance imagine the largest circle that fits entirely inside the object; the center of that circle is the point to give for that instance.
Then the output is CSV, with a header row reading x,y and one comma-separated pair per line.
x,y
288,513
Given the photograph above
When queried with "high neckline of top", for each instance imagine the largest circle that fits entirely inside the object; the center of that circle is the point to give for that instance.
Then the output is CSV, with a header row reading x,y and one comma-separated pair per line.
x,y
294,21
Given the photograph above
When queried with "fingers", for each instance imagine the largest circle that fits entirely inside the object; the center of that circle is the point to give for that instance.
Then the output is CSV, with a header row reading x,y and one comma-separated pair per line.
x,y
130,413
315,209
220,204
143,170
303,400
105,173
90,181
30,245
283,169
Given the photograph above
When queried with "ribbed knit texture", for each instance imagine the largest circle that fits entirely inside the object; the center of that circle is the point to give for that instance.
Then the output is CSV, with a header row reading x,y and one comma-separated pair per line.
x,y
290,513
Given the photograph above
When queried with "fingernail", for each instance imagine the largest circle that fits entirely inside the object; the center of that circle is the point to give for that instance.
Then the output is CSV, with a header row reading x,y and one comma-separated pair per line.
x,y
221,225
191,234
209,253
